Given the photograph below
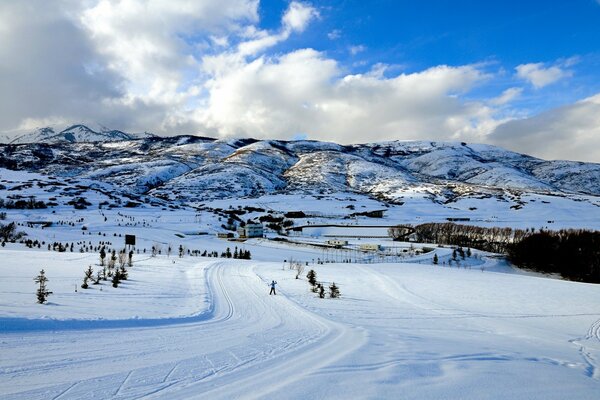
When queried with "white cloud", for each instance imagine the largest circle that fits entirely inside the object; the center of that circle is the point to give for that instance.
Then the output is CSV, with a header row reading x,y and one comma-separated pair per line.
x,y
49,69
568,132
152,52
336,34
354,50
298,16
306,92
507,96
539,76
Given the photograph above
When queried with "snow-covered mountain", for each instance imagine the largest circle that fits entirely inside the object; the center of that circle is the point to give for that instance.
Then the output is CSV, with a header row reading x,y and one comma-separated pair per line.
x,y
74,134
195,169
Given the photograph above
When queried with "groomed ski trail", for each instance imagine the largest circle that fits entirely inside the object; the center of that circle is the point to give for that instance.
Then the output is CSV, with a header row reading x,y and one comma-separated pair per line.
x,y
245,345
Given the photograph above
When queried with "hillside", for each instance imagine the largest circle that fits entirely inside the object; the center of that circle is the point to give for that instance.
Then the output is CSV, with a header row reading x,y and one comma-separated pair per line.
x,y
187,167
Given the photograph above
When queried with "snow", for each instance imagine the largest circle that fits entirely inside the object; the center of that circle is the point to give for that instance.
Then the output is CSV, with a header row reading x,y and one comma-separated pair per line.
x,y
196,327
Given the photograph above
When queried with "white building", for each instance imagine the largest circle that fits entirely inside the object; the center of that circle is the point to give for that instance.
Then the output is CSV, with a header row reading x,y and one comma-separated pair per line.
x,y
336,242
251,231
370,247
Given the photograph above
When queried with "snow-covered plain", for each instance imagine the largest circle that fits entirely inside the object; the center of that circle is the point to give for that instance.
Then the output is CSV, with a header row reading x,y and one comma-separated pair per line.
x,y
196,327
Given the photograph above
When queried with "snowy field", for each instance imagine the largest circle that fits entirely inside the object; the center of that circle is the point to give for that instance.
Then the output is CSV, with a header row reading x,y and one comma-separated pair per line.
x,y
196,327
199,327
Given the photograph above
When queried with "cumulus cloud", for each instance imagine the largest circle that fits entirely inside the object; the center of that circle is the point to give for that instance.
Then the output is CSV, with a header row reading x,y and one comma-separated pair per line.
x,y
568,132
298,16
539,75
102,62
50,70
306,92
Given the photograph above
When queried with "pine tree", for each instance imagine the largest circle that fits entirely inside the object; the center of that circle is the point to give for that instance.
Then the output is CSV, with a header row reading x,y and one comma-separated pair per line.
x,y
469,252
88,274
98,278
312,277
321,290
435,259
102,256
123,274
42,292
181,251
116,279
334,291
235,253
454,254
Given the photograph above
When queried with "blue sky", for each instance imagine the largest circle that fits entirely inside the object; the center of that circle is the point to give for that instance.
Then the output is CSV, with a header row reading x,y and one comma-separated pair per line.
x,y
412,36
518,74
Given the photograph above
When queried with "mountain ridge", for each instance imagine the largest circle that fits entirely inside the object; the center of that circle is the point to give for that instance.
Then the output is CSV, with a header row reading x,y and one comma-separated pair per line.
x,y
195,169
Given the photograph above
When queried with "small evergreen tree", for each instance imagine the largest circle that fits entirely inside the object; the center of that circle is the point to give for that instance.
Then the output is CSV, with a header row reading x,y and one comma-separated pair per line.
x,y
469,252
130,259
436,260
88,274
42,292
123,274
334,291
181,251
312,277
116,279
102,256
454,254
321,290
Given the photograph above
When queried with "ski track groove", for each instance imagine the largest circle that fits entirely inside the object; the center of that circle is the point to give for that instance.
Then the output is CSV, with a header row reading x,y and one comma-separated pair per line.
x,y
58,396
123,383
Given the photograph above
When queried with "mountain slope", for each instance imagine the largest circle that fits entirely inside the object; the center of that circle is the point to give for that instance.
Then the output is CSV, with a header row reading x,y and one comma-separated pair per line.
x,y
190,168
76,134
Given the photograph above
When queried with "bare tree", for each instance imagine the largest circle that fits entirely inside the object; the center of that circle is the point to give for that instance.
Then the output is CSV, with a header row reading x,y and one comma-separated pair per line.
x,y
299,268
122,258
156,249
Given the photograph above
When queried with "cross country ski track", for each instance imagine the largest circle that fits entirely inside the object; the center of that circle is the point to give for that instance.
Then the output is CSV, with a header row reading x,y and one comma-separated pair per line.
x,y
244,345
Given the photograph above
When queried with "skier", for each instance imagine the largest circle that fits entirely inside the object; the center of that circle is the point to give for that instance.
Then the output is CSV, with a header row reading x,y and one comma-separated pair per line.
x,y
272,284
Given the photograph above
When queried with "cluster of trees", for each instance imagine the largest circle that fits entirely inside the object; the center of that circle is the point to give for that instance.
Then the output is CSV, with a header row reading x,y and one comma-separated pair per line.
x,y
319,288
574,254
23,204
8,232
240,254
495,239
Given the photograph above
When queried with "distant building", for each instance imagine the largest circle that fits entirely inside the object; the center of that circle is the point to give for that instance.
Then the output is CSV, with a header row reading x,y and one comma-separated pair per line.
x,y
227,235
370,214
370,247
251,231
336,242
295,214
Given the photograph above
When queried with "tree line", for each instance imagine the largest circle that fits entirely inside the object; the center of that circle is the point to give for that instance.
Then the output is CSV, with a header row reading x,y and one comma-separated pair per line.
x,y
572,253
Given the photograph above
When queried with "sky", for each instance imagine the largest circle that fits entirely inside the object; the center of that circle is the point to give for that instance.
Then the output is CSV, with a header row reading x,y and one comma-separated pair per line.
x,y
524,75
